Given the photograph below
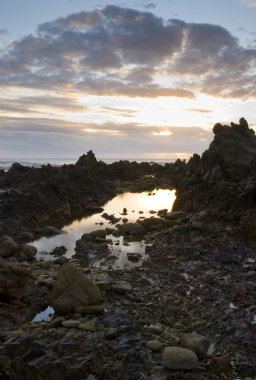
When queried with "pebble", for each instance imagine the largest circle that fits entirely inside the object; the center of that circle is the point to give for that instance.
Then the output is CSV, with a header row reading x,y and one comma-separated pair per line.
x,y
89,326
111,333
71,323
122,288
154,345
56,322
155,329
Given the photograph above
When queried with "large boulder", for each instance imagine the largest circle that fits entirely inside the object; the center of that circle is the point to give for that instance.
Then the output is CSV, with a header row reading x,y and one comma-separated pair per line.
x,y
26,252
13,278
195,342
8,247
72,289
21,252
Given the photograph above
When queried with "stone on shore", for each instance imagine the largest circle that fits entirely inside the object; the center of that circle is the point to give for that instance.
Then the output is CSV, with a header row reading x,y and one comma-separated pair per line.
x,y
13,278
89,326
154,345
133,229
122,288
70,323
21,252
179,358
197,343
72,289
8,247
26,252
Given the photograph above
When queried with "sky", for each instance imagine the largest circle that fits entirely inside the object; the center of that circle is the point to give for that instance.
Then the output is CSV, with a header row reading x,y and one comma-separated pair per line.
x,y
127,79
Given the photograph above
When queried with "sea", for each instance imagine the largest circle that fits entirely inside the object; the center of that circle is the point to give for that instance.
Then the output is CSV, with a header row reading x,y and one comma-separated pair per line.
x,y
6,163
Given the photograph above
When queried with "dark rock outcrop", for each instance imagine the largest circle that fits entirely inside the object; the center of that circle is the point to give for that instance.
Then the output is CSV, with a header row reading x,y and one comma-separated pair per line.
x,y
223,179
13,278
72,289
21,252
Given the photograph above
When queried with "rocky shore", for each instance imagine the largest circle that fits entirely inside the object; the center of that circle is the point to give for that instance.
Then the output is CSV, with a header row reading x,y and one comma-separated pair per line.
x,y
187,312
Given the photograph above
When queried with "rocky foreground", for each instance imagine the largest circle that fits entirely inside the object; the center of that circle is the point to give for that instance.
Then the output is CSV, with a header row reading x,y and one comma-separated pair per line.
x,y
188,312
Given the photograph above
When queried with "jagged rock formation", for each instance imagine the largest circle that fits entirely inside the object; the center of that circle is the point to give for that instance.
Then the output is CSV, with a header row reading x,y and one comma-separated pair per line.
x,y
224,178
37,197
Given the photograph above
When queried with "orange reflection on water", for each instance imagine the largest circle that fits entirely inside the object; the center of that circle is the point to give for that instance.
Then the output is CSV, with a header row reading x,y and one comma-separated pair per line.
x,y
137,204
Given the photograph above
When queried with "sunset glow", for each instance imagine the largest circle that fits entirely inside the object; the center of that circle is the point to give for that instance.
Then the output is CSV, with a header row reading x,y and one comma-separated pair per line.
x,y
148,79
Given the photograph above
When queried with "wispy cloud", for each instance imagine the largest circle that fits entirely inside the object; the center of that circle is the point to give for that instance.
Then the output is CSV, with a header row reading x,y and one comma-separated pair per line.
x,y
58,136
249,3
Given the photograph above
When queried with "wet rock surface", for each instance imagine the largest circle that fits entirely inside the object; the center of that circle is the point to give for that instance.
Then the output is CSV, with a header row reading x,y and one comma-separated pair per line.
x,y
188,312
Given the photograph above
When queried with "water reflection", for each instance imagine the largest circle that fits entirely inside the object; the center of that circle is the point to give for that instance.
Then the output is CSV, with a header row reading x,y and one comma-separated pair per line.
x,y
138,205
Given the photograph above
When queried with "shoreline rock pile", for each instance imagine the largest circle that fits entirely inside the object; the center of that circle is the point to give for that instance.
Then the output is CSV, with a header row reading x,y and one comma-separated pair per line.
x,y
187,313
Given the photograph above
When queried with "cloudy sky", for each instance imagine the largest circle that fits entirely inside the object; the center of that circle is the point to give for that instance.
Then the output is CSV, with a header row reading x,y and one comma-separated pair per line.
x,y
127,79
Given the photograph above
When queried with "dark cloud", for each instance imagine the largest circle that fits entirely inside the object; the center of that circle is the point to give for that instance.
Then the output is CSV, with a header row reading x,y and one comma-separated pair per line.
x,y
121,51
108,87
74,139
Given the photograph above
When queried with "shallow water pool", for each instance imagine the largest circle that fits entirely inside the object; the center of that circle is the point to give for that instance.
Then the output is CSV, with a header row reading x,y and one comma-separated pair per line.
x,y
138,205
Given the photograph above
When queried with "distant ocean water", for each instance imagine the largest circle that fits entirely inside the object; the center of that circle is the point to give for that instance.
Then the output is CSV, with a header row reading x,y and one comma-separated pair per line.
x,y
6,163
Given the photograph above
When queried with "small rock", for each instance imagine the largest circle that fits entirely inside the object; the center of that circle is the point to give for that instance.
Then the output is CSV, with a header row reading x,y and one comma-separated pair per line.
x,y
56,322
122,288
155,329
179,358
103,284
59,251
133,229
220,364
89,326
61,260
7,246
154,345
197,343
133,256
70,323
89,310
162,213
111,333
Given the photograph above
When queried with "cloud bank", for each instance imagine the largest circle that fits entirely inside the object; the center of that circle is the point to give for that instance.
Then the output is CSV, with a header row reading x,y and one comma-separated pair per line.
x,y
124,52
55,82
